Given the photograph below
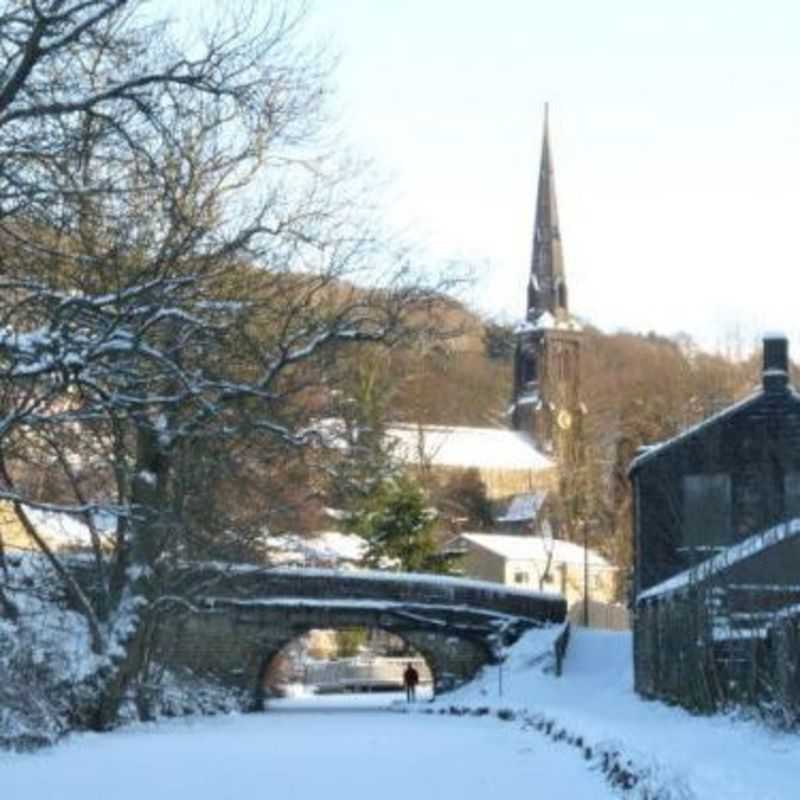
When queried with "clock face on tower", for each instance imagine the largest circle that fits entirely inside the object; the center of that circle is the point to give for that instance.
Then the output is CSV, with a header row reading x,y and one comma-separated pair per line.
x,y
564,419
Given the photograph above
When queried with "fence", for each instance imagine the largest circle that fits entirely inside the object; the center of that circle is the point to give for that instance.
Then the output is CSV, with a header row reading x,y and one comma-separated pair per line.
x,y
609,616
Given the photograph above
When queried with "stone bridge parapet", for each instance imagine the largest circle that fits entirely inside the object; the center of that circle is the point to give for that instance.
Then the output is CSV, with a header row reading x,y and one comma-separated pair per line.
x,y
414,588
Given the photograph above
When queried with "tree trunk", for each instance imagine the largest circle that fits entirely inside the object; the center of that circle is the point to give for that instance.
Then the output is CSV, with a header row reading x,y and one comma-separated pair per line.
x,y
105,714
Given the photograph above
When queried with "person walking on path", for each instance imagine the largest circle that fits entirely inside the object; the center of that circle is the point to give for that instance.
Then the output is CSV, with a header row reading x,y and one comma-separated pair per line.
x,y
410,681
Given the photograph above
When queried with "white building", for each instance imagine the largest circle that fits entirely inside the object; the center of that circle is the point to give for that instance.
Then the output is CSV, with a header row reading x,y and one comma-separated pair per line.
x,y
545,564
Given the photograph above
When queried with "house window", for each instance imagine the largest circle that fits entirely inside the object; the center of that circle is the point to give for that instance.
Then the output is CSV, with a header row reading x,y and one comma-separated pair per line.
x,y
791,495
706,511
520,577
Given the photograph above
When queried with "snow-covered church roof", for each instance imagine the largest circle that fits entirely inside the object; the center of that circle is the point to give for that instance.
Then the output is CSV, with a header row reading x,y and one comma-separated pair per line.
x,y
456,446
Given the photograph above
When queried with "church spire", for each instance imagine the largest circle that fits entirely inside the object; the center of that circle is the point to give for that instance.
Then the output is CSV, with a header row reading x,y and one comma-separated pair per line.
x,y
547,289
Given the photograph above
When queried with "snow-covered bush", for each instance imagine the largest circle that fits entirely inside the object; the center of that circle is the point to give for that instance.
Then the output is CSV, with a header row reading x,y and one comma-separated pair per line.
x,y
30,714
50,679
176,693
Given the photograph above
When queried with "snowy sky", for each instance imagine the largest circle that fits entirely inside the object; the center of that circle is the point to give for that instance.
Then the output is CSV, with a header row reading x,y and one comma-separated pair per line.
x,y
676,140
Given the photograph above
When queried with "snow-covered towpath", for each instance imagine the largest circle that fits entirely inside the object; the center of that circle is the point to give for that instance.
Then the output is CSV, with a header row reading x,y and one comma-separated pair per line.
x,y
298,751
702,758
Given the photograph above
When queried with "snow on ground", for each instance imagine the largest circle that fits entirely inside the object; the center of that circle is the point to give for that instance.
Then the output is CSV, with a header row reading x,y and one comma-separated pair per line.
x,y
356,753
350,747
718,758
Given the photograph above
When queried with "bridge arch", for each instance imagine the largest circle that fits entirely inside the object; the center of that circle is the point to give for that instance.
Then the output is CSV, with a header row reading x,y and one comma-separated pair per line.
x,y
236,644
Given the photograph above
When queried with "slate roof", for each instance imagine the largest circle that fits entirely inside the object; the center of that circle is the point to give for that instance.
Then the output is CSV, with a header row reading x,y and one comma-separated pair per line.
x,y
524,507
730,411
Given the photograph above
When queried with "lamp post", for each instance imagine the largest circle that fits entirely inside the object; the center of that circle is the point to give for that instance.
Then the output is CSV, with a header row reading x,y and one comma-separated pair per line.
x,y
585,575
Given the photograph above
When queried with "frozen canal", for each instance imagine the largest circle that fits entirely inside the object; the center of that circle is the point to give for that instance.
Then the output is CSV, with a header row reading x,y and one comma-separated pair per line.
x,y
305,750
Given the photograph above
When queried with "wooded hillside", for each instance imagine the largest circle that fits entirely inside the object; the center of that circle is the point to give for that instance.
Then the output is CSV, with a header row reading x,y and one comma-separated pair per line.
x,y
637,390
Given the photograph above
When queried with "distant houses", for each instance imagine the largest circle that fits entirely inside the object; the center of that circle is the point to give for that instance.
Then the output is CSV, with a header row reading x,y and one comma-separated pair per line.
x,y
541,563
716,562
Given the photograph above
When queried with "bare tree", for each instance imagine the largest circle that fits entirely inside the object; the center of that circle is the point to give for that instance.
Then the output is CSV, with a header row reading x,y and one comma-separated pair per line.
x,y
179,251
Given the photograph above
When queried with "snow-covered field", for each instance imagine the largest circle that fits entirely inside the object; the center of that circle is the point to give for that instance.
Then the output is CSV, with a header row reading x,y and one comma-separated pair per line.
x,y
305,752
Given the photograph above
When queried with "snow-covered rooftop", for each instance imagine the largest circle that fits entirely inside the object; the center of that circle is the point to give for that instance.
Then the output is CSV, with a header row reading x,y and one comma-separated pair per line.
x,y
534,548
524,507
454,446
731,556
329,547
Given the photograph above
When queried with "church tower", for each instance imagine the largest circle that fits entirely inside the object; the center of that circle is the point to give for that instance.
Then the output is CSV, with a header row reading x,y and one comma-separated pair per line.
x,y
546,400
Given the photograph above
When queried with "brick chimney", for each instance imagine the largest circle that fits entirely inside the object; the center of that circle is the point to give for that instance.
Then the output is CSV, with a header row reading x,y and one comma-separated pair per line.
x,y
775,374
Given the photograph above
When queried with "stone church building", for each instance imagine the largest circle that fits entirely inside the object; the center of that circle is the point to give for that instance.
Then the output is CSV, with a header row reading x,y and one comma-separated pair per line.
x,y
522,464
546,396
546,412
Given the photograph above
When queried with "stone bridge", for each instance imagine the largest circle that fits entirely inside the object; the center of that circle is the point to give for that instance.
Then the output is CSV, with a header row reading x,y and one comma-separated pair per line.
x,y
244,616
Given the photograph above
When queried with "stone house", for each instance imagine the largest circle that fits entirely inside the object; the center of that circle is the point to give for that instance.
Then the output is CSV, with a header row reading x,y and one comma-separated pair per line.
x,y
717,548
721,481
527,513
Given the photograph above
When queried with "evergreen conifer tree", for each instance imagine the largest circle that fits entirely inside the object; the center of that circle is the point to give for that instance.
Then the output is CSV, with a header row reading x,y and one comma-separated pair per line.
x,y
398,524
